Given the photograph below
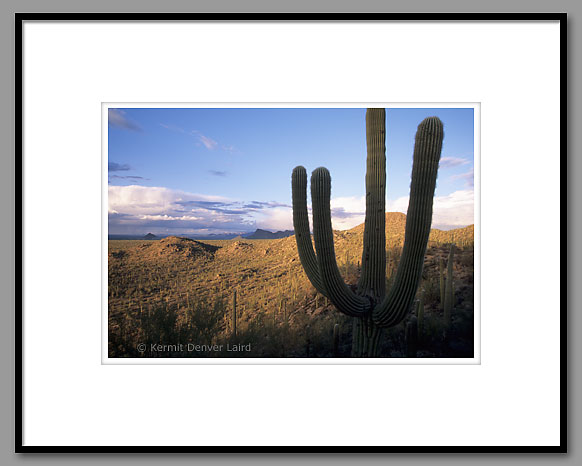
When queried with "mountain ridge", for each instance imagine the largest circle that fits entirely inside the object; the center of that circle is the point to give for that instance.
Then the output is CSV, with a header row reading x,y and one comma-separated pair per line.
x,y
265,234
395,228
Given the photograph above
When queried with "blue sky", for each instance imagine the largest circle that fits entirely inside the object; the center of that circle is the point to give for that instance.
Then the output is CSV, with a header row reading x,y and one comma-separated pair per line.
x,y
202,171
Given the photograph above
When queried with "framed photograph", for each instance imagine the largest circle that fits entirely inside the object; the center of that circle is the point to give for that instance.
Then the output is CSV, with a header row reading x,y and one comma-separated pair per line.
x,y
214,263
265,217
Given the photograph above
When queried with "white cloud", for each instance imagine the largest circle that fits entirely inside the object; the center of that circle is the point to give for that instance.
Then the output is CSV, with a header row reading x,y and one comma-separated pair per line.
x,y
398,205
169,217
451,211
144,200
138,209
347,212
279,218
454,210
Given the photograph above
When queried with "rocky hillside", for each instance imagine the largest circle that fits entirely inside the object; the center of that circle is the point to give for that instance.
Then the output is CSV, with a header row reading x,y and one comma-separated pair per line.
x,y
174,285
396,225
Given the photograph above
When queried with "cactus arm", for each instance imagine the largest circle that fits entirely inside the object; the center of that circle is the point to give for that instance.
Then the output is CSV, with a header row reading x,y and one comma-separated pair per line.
x,y
427,152
340,295
373,279
301,227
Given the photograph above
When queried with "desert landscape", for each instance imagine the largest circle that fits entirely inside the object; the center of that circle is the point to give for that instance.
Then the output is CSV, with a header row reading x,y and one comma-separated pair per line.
x,y
181,297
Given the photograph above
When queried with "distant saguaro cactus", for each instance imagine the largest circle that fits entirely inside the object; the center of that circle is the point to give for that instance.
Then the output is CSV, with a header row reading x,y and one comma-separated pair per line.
x,y
411,335
442,281
370,306
234,313
449,289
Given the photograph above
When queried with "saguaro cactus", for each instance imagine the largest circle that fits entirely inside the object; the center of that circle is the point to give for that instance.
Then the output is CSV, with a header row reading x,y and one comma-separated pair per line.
x,y
234,313
411,335
370,306
442,282
449,289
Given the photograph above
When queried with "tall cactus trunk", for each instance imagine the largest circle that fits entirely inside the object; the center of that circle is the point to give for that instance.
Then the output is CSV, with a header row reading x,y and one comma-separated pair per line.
x,y
373,279
372,283
365,338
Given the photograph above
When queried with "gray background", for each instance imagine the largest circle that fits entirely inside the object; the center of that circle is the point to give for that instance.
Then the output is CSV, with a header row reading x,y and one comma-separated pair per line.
x,y
7,283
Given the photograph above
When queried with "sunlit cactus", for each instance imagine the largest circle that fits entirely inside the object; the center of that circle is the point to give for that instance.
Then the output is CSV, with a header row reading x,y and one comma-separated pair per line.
x,y
371,307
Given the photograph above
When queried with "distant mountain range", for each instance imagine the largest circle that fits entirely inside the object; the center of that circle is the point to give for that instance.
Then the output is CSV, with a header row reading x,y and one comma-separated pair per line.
x,y
258,234
264,234
395,226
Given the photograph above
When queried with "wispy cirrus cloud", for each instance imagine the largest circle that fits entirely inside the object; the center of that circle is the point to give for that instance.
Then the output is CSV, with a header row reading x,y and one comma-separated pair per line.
x,y
207,142
119,119
450,162
117,167
203,140
211,144
228,148
264,205
174,128
114,167
467,177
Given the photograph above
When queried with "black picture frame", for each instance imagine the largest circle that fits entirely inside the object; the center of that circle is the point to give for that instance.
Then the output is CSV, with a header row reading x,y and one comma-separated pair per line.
x,y
20,18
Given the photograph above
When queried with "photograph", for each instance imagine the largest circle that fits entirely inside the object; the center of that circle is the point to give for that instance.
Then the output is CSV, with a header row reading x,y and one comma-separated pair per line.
x,y
291,232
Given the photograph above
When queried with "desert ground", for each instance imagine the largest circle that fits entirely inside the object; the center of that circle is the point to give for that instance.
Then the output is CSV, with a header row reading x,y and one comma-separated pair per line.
x,y
179,297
